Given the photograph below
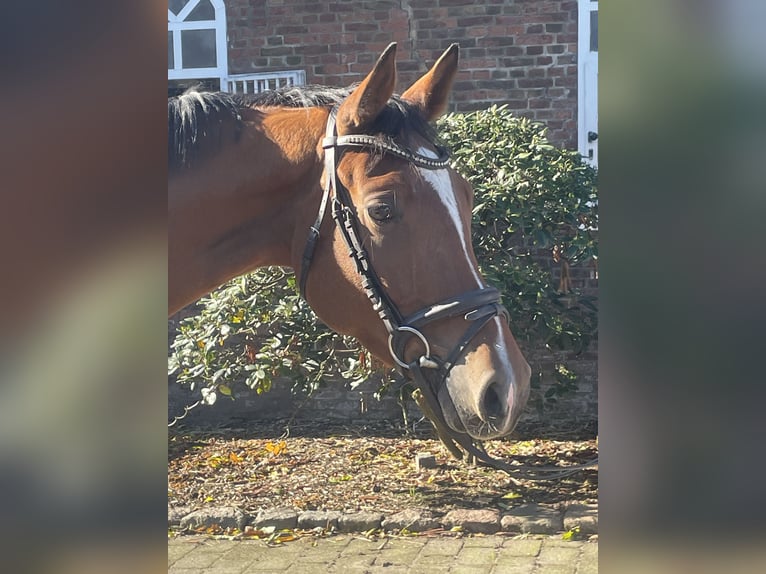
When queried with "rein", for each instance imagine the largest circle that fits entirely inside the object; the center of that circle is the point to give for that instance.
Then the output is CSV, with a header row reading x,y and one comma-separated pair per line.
x,y
428,372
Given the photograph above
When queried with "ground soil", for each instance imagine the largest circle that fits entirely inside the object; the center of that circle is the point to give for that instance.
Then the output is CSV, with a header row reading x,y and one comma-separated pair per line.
x,y
310,466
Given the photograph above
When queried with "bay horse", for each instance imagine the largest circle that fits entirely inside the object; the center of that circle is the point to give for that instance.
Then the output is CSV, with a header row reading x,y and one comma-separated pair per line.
x,y
251,178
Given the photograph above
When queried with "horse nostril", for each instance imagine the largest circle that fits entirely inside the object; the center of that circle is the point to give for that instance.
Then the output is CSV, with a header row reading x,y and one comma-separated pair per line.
x,y
493,406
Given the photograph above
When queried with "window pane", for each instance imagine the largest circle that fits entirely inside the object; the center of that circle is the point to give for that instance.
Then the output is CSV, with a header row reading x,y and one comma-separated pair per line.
x,y
594,31
198,47
175,6
203,11
171,59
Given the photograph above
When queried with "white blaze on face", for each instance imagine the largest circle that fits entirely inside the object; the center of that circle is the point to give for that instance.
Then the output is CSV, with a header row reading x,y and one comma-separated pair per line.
x,y
442,183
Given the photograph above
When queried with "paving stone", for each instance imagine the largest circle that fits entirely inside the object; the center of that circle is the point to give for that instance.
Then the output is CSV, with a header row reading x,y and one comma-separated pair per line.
x,y
279,518
349,554
313,551
555,569
399,554
320,555
241,564
515,565
197,559
441,547
588,559
350,561
361,547
529,547
176,513
302,569
257,555
468,569
223,516
480,541
318,519
412,519
232,569
583,515
486,521
443,561
264,562
476,556
558,541
359,521
176,551
385,570
532,519
550,555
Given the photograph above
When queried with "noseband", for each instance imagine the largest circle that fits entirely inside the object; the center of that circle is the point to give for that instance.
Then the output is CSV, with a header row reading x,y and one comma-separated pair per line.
x,y
477,307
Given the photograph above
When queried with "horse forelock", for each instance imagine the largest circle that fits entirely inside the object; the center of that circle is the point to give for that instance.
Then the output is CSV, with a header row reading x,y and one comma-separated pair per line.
x,y
195,116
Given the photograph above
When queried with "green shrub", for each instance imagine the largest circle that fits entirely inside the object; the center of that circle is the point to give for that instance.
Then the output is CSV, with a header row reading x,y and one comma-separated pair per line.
x,y
257,328
533,202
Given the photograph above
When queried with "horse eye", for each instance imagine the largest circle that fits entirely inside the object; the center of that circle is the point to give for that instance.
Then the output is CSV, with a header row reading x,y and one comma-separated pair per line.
x,y
380,212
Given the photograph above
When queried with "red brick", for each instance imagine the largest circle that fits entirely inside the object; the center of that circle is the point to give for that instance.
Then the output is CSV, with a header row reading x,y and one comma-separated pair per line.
x,y
534,39
536,82
568,82
566,39
474,21
477,31
360,27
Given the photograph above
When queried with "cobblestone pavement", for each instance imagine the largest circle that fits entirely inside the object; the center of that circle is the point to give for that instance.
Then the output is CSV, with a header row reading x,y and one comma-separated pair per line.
x,y
349,554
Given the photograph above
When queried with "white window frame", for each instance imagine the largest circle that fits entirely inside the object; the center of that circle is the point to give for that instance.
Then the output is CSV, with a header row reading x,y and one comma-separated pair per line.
x,y
587,93
177,23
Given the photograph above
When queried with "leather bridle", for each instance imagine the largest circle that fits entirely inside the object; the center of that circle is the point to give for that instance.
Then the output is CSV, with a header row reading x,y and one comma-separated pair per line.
x,y
477,307
427,371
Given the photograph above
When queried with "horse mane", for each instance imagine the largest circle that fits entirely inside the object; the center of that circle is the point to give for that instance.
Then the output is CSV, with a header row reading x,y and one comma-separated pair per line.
x,y
196,117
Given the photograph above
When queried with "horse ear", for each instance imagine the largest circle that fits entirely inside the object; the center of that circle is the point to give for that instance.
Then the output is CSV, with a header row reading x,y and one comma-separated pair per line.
x,y
431,92
370,97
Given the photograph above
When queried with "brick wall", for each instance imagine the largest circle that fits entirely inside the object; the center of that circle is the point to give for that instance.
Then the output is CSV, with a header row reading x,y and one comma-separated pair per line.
x,y
338,403
516,52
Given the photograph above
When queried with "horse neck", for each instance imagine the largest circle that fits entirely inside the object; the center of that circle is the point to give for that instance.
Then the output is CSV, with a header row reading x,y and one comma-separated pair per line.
x,y
246,206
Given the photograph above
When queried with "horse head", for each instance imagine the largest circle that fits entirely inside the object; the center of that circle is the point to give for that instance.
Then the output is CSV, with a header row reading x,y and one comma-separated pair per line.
x,y
411,291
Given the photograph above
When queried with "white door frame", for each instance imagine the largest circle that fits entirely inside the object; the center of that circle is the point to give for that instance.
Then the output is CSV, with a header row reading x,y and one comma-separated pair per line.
x,y
587,84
